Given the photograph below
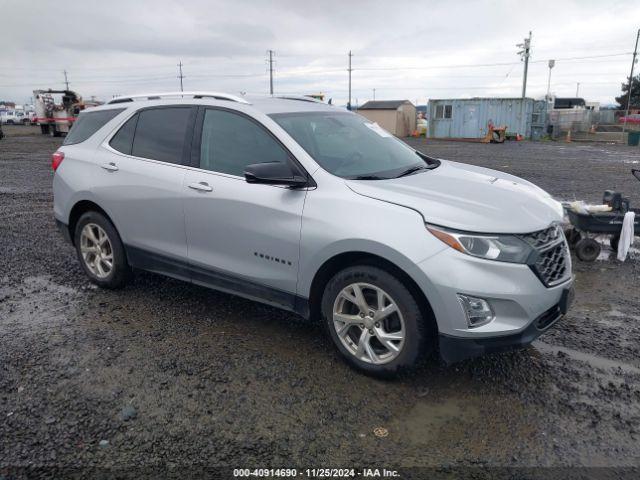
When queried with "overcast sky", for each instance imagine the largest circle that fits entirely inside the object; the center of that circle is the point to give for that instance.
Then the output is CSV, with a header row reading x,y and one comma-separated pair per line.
x,y
415,50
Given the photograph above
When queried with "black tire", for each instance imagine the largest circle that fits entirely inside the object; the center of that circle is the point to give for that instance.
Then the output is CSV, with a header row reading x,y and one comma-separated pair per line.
x,y
53,131
588,249
573,236
120,273
419,337
614,241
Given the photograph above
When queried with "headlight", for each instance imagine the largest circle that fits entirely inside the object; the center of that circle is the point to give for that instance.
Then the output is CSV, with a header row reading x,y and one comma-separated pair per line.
x,y
503,248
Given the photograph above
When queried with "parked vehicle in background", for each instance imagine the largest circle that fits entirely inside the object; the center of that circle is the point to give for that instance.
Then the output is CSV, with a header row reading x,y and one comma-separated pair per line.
x,y
54,118
27,118
11,117
316,210
17,117
632,118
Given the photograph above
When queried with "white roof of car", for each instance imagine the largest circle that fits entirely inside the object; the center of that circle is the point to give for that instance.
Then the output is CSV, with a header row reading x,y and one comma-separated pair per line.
x,y
265,103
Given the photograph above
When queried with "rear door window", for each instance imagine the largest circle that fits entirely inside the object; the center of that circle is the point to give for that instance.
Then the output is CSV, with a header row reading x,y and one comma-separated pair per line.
x,y
160,134
122,141
89,123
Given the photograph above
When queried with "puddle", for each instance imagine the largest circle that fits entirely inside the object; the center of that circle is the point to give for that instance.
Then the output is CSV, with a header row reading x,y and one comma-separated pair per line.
x,y
425,422
607,254
37,301
45,283
618,314
459,425
592,360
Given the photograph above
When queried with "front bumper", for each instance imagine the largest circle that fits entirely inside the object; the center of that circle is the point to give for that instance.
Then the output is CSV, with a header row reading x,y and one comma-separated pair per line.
x,y
455,349
519,299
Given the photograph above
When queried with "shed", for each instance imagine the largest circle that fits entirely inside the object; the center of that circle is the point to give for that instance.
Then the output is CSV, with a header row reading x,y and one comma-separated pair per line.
x,y
470,117
395,116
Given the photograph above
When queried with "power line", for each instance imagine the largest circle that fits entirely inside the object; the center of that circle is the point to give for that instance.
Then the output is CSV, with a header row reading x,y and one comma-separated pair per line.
x,y
496,64
588,57
501,64
327,70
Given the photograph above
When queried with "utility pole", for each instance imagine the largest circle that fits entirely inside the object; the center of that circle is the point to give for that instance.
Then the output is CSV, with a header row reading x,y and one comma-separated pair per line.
x,y
577,89
524,56
66,81
180,76
349,70
633,62
552,63
271,52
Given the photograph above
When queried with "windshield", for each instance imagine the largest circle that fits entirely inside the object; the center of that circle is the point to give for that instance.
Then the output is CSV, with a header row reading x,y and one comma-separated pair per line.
x,y
351,146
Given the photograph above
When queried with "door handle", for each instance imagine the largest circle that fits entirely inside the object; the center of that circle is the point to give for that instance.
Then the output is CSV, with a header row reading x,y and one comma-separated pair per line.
x,y
202,186
112,167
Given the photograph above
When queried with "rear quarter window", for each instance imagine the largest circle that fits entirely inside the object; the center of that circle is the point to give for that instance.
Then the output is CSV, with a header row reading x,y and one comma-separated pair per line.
x,y
89,123
122,141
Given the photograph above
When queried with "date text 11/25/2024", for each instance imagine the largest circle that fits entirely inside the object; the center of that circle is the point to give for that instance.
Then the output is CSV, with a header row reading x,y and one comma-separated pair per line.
x,y
316,472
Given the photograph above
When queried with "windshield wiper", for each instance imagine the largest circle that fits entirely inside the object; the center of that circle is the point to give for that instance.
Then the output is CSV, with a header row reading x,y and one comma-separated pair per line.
x,y
368,177
411,170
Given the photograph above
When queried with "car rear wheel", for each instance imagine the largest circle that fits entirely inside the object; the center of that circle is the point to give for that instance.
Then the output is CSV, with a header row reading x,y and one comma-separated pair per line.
x,y
374,320
100,251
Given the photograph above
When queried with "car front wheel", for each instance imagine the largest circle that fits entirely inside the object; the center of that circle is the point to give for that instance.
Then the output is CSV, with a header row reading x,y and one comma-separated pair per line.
x,y
374,320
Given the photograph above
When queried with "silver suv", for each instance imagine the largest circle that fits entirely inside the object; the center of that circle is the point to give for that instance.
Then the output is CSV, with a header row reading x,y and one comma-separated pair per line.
x,y
316,210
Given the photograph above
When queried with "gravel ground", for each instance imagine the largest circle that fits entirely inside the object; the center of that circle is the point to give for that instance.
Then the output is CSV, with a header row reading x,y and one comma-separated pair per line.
x,y
171,375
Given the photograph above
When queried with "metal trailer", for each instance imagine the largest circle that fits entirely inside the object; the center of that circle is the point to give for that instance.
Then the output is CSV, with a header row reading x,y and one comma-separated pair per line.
x,y
472,118
56,119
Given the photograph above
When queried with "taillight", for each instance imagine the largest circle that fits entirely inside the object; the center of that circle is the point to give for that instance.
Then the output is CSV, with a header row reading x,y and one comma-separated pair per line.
x,y
56,160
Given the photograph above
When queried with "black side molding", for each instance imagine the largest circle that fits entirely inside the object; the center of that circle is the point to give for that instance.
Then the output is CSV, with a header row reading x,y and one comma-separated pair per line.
x,y
217,280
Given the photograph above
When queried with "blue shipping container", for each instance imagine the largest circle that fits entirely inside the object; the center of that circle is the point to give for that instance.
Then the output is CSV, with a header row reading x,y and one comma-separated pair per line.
x,y
470,118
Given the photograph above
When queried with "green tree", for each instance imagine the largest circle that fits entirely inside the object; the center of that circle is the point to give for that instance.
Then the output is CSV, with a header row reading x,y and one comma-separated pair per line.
x,y
635,94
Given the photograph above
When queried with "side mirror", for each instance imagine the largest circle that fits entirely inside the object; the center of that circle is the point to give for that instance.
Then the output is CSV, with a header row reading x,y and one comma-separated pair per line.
x,y
274,173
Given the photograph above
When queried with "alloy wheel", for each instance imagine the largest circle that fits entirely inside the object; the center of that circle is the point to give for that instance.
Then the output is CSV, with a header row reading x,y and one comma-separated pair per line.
x,y
96,250
369,323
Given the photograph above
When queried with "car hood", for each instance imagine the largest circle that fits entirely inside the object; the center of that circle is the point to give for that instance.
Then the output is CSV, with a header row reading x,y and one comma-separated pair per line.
x,y
467,197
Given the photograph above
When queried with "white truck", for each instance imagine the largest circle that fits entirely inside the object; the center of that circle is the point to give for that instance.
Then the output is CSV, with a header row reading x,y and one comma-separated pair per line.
x,y
54,118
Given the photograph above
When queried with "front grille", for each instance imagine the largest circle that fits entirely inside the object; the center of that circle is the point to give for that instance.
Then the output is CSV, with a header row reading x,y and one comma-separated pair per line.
x,y
553,264
544,238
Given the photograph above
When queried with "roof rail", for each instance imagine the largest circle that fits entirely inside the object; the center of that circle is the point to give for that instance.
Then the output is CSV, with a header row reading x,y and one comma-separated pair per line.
x,y
196,95
302,98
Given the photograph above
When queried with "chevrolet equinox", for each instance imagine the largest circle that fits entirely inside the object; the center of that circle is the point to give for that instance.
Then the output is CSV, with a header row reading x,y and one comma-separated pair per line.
x,y
317,210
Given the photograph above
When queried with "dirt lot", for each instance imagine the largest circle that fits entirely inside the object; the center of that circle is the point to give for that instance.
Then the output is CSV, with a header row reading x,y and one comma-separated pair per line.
x,y
171,375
